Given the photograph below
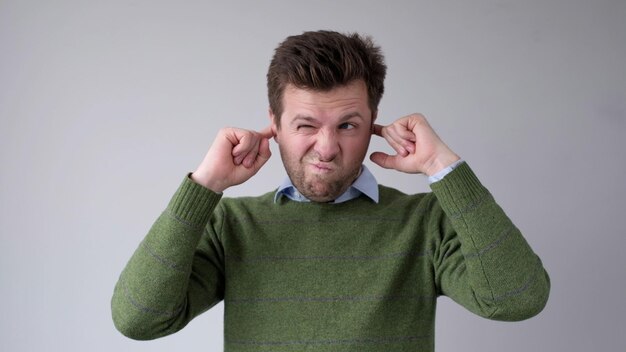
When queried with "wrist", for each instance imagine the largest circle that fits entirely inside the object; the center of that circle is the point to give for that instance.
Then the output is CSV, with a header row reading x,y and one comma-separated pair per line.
x,y
207,182
442,161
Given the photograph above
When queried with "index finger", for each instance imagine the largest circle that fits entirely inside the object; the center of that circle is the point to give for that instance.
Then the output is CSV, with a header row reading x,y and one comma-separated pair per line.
x,y
377,130
267,132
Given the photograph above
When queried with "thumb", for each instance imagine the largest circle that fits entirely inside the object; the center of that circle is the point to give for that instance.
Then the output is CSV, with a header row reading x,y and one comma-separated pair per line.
x,y
383,160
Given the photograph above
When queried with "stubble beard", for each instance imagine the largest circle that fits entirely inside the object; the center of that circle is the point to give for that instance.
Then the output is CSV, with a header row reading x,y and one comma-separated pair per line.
x,y
319,187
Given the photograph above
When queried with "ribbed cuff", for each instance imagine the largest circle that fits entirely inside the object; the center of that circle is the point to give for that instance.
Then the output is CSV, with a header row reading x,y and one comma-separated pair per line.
x,y
193,203
459,190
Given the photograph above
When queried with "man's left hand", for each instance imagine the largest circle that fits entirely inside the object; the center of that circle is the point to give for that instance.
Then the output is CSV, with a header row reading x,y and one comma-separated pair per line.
x,y
419,149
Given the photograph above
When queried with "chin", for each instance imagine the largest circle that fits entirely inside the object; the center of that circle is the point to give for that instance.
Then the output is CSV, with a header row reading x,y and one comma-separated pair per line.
x,y
323,194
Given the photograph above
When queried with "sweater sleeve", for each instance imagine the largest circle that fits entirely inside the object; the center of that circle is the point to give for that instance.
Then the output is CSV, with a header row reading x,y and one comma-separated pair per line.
x,y
176,272
482,261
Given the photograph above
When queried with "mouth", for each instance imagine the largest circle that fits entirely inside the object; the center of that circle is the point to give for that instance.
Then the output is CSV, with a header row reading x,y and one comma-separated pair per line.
x,y
321,167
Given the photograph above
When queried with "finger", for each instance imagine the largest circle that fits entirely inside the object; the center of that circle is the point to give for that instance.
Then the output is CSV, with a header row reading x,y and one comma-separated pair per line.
x,y
398,137
261,156
383,160
401,133
383,131
399,148
267,132
405,133
377,130
405,138
264,153
250,157
246,151
398,140
245,142
395,140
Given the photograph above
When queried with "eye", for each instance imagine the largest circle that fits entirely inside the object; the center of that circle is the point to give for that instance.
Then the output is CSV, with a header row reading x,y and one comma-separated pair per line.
x,y
304,127
346,126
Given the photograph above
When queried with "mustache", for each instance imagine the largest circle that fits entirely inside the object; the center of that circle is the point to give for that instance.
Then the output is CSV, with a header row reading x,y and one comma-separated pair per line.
x,y
317,158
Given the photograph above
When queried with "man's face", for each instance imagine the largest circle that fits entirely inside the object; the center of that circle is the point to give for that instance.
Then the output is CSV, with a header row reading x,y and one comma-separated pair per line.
x,y
323,138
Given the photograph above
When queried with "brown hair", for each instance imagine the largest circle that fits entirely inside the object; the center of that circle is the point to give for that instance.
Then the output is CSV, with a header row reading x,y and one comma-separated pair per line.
x,y
324,60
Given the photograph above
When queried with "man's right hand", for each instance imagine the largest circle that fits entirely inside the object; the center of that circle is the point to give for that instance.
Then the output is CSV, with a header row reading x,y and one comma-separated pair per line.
x,y
235,156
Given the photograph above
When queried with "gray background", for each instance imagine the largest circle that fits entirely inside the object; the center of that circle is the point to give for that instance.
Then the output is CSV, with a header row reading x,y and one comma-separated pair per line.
x,y
104,106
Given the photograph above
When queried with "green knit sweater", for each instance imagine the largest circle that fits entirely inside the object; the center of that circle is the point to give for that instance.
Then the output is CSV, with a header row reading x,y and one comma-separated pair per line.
x,y
354,276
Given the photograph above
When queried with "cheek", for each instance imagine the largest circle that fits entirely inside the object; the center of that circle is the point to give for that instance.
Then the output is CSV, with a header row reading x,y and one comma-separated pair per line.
x,y
357,145
295,148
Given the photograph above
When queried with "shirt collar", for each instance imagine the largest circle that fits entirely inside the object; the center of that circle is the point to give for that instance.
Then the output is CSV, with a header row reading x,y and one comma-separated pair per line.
x,y
365,184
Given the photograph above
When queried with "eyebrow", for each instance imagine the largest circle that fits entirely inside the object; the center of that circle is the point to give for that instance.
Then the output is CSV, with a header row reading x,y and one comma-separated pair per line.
x,y
350,115
342,119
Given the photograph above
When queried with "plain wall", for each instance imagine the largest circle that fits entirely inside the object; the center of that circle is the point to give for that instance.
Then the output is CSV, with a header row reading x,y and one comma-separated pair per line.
x,y
105,106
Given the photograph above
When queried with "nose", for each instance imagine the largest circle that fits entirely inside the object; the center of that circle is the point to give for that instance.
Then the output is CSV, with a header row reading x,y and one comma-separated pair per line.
x,y
327,145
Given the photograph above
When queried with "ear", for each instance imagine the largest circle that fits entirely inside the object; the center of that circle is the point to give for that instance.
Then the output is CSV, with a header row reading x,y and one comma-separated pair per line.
x,y
273,124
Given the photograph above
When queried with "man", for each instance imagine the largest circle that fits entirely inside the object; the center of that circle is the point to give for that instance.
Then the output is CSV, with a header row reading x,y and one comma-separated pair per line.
x,y
330,261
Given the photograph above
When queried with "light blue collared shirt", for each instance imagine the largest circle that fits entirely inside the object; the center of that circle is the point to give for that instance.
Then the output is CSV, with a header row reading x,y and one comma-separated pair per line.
x,y
365,184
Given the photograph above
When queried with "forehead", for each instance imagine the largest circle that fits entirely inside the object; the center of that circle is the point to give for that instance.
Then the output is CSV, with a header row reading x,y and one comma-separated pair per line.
x,y
352,96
